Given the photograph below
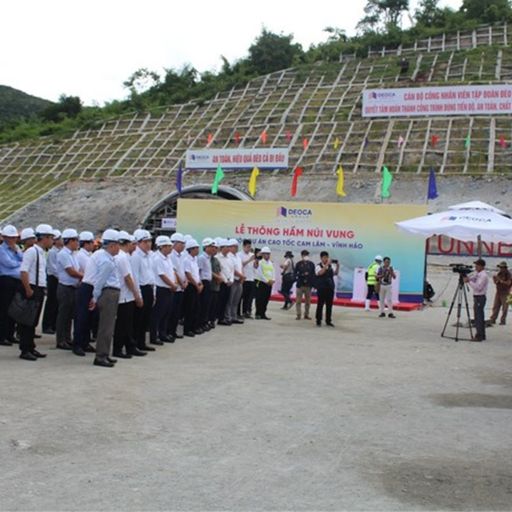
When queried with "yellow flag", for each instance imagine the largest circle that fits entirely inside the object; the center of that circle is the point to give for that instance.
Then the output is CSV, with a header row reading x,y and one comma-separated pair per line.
x,y
252,181
336,143
341,182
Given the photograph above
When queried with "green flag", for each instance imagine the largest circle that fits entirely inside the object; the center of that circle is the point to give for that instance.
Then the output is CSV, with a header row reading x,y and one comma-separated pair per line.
x,y
387,179
467,142
219,174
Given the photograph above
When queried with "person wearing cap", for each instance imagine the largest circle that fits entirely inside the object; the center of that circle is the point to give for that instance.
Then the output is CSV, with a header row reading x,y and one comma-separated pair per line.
x,y
227,271
247,257
479,281
51,306
385,276
129,299
177,258
325,288
288,278
193,291
27,238
235,293
265,279
305,277
205,275
33,280
69,276
372,282
165,281
10,263
86,241
143,276
105,296
503,281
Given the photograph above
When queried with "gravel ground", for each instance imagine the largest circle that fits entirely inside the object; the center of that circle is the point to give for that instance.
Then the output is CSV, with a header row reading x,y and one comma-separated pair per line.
x,y
376,414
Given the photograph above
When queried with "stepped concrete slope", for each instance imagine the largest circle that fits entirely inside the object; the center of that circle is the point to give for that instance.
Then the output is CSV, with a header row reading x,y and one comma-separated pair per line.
x,y
321,102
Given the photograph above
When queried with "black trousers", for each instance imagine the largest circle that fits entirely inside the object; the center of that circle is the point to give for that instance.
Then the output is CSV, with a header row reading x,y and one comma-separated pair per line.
x,y
8,287
263,292
161,313
371,292
325,296
205,300
286,288
123,330
214,306
191,309
66,297
222,302
176,313
247,297
51,307
480,301
82,326
27,332
142,316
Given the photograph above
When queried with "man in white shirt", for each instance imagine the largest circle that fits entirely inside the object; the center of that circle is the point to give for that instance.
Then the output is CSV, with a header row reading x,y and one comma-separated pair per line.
x,y
192,292
86,240
166,286
235,294
177,258
50,308
479,282
33,280
247,257
265,278
204,262
227,272
129,298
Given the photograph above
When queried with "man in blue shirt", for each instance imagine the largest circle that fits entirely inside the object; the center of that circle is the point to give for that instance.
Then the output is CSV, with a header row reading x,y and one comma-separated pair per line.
x,y
10,261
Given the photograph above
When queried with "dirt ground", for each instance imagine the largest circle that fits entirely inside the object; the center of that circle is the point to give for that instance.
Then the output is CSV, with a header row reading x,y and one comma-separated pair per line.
x,y
376,414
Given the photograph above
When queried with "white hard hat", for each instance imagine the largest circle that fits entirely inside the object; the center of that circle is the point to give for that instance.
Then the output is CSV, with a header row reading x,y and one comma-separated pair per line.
x,y
378,257
191,244
207,242
265,250
110,235
124,236
10,231
188,237
162,240
141,234
69,233
218,241
86,236
27,233
56,234
177,237
44,229
232,241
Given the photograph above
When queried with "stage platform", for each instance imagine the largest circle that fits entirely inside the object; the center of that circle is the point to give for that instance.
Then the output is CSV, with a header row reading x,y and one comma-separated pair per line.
x,y
349,303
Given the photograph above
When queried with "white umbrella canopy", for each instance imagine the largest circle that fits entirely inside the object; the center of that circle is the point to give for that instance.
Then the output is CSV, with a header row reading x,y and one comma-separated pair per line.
x,y
475,205
466,225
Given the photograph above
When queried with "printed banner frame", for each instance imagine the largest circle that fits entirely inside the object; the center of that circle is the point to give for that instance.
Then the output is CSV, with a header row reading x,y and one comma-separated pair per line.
x,y
263,158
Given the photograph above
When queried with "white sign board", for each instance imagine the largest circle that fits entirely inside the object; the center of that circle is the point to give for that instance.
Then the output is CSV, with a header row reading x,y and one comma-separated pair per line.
x,y
460,100
263,158
168,223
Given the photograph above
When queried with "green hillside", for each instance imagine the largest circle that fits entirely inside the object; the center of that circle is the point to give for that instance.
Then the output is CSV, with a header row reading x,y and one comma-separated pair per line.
x,y
15,104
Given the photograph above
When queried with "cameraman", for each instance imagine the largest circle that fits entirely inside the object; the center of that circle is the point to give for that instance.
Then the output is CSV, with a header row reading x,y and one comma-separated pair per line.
x,y
479,281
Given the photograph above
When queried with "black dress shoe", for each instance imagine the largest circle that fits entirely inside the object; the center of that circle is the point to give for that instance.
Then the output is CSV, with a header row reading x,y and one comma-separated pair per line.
x,y
38,354
237,321
265,317
223,322
330,324
136,352
37,336
102,362
177,336
5,343
64,346
28,356
111,360
48,331
147,348
190,334
79,351
122,355
156,342
199,332
90,349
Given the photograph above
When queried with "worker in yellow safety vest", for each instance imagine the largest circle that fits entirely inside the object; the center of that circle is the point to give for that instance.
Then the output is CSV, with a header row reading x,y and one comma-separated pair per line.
x,y
264,279
372,281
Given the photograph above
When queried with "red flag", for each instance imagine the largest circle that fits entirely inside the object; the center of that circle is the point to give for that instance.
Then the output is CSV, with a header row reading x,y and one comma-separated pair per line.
x,y
305,143
296,174
288,136
210,138
237,138
434,140
263,136
503,142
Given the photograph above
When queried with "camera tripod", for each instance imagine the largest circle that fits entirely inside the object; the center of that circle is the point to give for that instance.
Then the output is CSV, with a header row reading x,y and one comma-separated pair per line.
x,y
461,299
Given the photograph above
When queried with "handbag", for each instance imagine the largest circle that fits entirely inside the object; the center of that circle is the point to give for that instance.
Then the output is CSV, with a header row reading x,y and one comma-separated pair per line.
x,y
22,310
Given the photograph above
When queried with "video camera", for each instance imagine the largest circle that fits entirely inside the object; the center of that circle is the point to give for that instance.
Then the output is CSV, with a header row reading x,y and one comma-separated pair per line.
x,y
460,268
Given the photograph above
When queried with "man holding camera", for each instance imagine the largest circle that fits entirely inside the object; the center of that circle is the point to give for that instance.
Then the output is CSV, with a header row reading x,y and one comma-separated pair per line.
x,y
325,287
479,281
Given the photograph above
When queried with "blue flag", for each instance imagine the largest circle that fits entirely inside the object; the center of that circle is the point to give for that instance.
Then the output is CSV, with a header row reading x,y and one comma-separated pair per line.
x,y
432,187
179,178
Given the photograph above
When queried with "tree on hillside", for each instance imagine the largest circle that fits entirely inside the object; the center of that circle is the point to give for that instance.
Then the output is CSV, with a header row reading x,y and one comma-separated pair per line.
x,y
142,80
487,11
272,52
429,14
382,14
67,106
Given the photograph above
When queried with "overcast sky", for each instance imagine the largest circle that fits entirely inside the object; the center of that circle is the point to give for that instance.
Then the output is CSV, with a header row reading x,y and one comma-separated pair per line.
x,y
89,47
